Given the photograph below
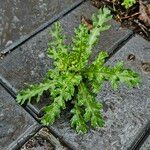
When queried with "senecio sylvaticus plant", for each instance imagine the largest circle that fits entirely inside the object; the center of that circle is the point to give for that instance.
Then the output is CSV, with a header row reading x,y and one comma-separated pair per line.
x,y
74,79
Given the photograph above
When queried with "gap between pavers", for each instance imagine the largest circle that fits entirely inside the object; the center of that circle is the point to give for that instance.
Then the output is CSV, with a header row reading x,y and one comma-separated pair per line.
x,y
146,145
28,63
141,138
43,140
16,124
27,22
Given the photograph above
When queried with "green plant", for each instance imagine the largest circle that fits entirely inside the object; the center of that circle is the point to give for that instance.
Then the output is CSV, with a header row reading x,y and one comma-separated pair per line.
x,y
128,3
73,79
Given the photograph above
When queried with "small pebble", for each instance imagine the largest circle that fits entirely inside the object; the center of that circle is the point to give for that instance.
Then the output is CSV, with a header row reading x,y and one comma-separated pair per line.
x,y
9,43
131,57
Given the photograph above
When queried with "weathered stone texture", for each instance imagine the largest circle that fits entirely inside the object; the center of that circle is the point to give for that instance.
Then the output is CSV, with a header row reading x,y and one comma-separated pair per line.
x,y
14,121
20,18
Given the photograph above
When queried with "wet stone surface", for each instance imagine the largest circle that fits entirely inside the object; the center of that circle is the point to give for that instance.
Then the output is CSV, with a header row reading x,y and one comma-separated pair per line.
x,y
14,121
43,140
28,63
146,144
19,18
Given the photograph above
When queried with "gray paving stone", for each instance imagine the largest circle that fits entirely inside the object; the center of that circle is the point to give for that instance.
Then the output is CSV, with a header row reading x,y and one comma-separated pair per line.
x,y
28,63
14,121
43,140
126,111
146,144
19,18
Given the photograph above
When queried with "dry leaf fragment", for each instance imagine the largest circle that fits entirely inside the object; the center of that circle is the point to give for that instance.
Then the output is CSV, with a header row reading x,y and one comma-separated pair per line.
x,y
87,22
145,11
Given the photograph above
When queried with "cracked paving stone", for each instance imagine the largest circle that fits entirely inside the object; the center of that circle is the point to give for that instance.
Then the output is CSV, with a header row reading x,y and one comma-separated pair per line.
x,y
20,18
43,140
146,144
15,122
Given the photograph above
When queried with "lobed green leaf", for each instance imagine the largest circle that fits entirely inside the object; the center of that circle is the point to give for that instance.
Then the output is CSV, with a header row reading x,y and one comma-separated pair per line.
x,y
72,79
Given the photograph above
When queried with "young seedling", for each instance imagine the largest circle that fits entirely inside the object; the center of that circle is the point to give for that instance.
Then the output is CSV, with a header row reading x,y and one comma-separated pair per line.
x,y
128,3
74,80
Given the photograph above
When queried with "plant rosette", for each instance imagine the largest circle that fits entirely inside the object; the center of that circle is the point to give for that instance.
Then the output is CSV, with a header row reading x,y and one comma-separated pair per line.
x,y
76,81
